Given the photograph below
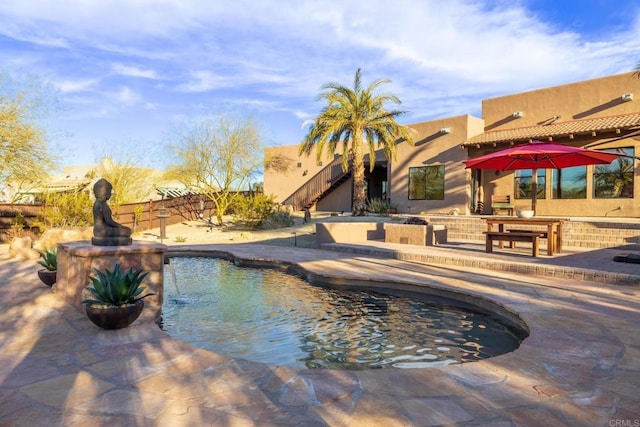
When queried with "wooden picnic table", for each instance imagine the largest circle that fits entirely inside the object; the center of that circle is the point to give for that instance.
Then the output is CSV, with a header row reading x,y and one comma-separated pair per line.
x,y
553,228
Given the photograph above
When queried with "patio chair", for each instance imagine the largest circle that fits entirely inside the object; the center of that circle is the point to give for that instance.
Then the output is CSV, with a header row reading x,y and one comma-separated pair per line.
x,y
499,203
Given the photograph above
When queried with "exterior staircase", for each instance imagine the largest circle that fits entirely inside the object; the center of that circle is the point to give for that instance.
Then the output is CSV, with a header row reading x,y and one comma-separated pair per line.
x,y
318,186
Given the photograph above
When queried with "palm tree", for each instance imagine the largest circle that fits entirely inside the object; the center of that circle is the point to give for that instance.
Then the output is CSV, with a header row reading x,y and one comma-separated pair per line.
x,y
352,117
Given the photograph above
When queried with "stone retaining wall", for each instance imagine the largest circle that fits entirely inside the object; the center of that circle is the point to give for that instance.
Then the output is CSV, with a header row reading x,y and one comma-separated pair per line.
x,y
594,233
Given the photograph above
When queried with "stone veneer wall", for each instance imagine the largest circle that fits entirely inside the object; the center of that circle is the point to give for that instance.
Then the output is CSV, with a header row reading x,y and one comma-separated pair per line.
x,y
586,233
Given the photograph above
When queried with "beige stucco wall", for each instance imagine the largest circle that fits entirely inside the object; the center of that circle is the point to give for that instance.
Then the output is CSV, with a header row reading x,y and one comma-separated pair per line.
x,y
282,184
582,100
300,168
348,232
339,200
433,148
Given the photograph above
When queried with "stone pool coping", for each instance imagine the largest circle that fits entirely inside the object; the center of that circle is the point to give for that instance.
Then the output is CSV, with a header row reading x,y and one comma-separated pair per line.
x,y
579,366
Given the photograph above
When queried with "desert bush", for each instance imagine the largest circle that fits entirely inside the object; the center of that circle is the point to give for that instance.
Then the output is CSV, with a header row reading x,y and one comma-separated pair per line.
x,y
279,219
17,227
253,210
378,205
66,210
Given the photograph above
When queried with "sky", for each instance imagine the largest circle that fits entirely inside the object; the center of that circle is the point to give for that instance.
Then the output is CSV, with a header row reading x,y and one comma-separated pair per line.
x,y
128,73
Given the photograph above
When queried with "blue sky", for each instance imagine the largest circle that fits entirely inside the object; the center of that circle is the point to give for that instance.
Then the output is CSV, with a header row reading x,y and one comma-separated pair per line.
x,y
130,71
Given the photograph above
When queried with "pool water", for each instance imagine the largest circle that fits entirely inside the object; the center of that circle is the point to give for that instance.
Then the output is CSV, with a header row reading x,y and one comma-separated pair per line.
x,y
269,316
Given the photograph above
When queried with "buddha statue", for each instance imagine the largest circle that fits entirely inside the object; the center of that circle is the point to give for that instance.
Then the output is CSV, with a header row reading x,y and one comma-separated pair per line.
x,y
106,231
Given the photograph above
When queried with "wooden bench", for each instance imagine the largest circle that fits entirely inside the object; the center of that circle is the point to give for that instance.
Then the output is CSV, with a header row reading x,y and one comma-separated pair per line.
x,y
499,203
510,236
543,234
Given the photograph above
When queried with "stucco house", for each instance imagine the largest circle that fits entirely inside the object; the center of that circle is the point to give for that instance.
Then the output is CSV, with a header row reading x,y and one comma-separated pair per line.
x,y
430,177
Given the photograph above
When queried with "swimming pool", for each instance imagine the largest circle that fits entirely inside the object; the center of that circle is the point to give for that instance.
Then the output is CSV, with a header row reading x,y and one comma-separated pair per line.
x,y
269,316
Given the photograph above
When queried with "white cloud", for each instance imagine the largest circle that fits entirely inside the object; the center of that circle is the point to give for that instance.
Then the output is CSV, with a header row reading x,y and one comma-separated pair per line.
x,y
132,71
204,81
70,86
126,96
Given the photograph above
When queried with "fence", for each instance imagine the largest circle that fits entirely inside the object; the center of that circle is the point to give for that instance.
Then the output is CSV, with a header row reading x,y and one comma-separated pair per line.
x,y
138,216
11,215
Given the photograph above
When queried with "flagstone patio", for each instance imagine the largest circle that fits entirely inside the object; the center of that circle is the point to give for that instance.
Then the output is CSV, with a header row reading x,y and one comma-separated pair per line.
x,y
579,366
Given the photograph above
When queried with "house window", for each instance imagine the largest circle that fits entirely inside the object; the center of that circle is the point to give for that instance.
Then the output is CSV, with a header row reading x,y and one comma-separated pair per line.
x,y
569,183
426,183
614,180
523,183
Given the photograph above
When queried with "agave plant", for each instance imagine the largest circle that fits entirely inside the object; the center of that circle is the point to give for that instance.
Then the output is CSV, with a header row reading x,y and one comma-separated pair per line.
x,y
117,287
49,259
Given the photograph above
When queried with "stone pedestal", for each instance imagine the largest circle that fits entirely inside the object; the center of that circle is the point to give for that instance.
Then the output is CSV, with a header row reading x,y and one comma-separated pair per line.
x,y
77,260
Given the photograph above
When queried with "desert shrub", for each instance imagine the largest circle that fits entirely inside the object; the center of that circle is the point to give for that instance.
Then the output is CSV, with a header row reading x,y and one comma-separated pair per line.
x,y
279,219
137,213
253,210
378,205
17,226
66,210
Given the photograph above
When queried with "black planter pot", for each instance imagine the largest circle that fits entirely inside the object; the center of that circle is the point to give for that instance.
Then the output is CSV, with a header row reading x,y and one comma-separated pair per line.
x,y
114,317
47,277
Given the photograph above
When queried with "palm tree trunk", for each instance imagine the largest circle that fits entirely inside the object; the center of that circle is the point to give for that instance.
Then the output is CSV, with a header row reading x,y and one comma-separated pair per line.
x,y
359,200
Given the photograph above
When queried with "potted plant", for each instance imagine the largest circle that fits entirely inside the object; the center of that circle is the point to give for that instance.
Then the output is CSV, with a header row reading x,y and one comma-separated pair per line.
x,y
116,300
50,263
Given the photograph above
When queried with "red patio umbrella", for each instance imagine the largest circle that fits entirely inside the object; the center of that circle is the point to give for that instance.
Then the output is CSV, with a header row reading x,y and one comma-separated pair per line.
x,y
539,155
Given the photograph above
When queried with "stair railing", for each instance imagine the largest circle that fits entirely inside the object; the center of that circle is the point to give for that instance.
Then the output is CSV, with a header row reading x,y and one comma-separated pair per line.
x,y
316,186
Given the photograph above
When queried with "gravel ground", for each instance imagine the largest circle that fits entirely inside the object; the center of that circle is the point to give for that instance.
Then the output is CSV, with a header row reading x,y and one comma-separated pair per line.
x,y
300,234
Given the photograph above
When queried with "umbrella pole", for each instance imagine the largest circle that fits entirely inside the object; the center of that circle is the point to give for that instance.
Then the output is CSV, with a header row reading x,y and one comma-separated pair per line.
x,y
534,190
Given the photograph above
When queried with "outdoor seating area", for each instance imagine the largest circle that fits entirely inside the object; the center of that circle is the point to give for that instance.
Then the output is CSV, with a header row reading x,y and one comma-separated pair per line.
x,y
539,228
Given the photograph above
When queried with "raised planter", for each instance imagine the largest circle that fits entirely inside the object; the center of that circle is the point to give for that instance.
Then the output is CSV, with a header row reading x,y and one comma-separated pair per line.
x,y
415,234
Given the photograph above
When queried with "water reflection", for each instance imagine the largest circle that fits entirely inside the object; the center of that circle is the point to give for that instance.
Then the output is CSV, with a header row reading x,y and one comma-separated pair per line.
x,y
272,317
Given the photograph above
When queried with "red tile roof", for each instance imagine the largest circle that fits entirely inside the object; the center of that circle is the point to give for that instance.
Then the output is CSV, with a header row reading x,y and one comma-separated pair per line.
x,y
557,129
